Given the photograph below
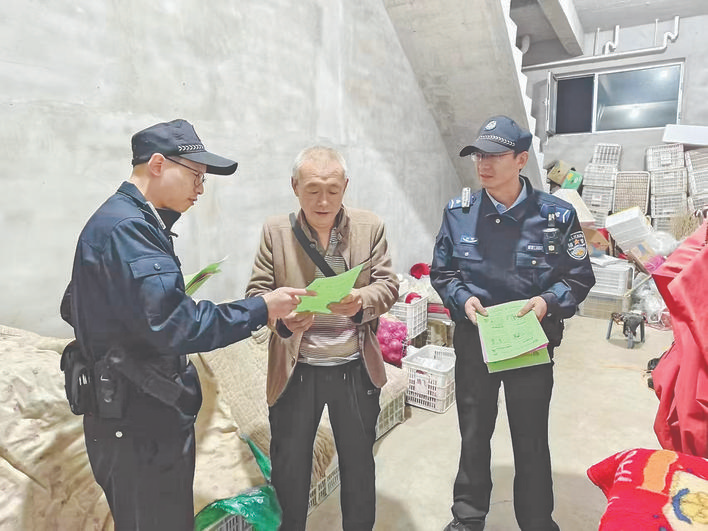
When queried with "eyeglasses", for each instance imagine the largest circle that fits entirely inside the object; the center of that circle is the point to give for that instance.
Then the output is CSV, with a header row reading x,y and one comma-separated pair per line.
x,y
199,177
492,157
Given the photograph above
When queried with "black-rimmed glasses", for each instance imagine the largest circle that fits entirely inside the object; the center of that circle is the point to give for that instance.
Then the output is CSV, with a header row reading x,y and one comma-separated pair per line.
x,y
199,177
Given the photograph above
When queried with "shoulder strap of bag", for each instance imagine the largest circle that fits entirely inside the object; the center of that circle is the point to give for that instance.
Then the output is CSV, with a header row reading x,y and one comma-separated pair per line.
x,y
309,247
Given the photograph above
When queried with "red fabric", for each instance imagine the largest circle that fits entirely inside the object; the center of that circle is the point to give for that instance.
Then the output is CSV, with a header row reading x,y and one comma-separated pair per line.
x,y
652,490
420,270
681,378
411,297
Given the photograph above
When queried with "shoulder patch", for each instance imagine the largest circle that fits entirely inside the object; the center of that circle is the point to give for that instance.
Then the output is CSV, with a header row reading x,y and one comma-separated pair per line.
x,y
457,202
454,203
577,248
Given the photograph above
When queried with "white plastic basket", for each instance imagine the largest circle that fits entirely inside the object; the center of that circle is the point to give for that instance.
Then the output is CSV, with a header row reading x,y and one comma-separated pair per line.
x,y
697,159
431,377
415,315
697,202
668,205
698,182
231,522
392,414
607,154
674,181
663,223
631,189
603,305
664,157
324,486
597,198
600,175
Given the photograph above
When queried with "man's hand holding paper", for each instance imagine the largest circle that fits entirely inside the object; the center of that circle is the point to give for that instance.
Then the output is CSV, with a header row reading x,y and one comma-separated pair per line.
x,y
334,294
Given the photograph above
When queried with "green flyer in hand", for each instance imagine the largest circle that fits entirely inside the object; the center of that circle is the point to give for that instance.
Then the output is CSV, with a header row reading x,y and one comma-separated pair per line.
x,y
329,290
197,280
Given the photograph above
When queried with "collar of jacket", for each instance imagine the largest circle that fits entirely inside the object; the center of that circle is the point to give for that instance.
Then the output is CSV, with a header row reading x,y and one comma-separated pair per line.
x,y
169,217
341,226
519,211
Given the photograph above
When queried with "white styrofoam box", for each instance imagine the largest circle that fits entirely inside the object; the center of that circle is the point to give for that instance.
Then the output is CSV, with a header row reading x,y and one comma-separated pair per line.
x,y
628,226
664,157
613,276
696,135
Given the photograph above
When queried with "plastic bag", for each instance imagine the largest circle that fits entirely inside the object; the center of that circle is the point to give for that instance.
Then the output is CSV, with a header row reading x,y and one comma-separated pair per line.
x,y
258,506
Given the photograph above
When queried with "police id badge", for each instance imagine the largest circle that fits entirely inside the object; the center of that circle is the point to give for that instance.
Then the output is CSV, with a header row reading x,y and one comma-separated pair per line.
x,y
577,248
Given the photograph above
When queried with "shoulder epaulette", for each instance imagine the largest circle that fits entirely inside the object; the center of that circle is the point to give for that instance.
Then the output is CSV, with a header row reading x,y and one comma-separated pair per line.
x,y
457,202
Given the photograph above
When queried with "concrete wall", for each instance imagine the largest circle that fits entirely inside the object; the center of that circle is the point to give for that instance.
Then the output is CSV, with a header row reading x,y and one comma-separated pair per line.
x,y
577,149
259,79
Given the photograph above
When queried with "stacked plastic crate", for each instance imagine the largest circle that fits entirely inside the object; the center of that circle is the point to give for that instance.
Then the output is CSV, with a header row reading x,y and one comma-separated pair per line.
x,y
599,181
669,183
697,166
613,280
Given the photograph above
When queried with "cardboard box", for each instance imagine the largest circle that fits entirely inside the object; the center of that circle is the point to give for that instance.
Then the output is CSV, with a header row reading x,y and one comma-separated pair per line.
x,y
596,241
558,172
572,180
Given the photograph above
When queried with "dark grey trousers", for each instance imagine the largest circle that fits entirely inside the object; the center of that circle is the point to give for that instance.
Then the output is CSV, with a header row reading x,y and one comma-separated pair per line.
x,y
527,393
147,479
353,404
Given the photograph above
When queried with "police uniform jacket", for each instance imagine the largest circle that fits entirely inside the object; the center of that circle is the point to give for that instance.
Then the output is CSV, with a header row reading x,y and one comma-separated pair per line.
x,y
127,290
500,257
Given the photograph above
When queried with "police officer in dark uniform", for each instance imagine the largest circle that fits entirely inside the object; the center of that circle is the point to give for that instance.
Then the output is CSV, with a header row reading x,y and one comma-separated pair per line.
x,y
128,372
506,242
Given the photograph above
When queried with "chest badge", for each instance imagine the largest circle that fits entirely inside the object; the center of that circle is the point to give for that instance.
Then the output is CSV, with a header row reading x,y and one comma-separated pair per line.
x,y
470,240
577,248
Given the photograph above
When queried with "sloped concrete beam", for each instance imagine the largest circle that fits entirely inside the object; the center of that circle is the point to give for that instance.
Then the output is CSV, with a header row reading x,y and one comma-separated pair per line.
x,y
564,20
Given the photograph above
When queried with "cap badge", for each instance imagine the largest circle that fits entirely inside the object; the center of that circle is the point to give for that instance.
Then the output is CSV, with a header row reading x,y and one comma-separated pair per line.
x,y
491,125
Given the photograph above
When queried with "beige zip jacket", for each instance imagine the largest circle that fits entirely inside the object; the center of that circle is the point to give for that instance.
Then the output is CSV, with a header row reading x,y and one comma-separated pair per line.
x,y
281,261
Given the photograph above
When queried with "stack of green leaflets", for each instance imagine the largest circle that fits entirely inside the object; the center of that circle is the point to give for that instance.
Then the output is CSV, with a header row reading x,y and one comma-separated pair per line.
x,y
195,281
511,342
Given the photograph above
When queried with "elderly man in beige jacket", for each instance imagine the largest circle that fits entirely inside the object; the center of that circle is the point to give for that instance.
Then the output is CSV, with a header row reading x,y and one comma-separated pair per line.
x,y
332,359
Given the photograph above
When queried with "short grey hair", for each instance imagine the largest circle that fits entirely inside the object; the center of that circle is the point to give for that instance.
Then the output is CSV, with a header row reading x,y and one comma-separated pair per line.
x,y
317,152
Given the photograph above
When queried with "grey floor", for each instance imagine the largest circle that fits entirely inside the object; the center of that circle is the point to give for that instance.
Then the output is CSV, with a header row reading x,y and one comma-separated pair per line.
x,y
601,405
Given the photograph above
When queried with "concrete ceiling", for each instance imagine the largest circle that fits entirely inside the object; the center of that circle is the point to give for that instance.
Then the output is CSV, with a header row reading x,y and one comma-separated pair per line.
x,y
532,16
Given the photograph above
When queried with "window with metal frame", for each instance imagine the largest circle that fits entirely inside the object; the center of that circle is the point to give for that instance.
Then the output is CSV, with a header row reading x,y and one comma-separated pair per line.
x,y
618,99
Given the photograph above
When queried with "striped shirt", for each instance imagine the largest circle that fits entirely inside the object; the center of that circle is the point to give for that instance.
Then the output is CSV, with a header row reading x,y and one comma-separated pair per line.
x,y
332,339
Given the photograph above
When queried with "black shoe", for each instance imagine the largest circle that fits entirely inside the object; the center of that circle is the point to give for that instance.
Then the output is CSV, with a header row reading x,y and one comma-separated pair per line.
x,y
456,525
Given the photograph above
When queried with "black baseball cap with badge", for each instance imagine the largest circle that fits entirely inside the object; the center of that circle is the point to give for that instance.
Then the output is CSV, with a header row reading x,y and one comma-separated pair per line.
x,y
498,135
178,138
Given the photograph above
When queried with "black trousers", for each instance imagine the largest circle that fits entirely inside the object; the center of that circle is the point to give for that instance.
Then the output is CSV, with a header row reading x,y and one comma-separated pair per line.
x,y
527,393
147,479
353,404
